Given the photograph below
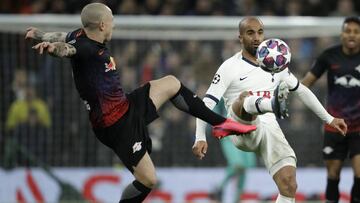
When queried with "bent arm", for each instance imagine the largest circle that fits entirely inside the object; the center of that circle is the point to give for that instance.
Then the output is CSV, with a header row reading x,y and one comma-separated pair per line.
x,y
58,49
310,100
309,79
63,49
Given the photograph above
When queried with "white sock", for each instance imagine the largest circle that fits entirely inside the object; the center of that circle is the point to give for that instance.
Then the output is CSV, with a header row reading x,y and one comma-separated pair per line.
x,y
257,105
282,199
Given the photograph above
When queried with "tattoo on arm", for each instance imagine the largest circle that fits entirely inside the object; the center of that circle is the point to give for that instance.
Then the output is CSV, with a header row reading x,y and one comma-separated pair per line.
x,y
54,37
63,50
38,34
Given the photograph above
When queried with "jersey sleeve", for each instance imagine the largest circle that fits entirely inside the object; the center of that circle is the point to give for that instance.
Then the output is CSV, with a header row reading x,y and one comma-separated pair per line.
x,y
73,38
220,83
290,79
319,66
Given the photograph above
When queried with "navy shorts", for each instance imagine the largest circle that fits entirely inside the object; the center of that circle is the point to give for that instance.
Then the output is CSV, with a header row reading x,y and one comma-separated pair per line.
x,y
129,137
339,147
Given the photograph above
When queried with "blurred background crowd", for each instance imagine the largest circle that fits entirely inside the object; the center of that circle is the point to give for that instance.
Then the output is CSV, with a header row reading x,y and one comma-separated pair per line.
x,y
42,119
192,7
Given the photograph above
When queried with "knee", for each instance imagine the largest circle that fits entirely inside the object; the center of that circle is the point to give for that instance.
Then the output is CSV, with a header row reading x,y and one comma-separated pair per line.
x,y
243,95
239,102
239,110
334,173
173,83
288,186
150,181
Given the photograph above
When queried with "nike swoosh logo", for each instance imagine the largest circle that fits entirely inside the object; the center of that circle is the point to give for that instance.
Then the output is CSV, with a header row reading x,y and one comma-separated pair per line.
x,y
243,78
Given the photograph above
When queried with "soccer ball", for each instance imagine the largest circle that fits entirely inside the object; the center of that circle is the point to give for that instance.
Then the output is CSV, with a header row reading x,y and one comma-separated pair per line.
x,y
273,55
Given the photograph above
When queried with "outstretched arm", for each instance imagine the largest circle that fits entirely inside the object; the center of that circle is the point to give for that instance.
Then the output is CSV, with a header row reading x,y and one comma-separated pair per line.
x,y
58,49
34,33
310,100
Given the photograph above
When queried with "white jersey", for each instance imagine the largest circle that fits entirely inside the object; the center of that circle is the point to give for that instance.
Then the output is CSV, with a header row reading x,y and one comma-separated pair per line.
x,y
237,75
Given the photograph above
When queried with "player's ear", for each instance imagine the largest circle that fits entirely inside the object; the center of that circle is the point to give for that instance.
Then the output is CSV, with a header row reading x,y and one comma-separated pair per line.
x,y
102,26
240,38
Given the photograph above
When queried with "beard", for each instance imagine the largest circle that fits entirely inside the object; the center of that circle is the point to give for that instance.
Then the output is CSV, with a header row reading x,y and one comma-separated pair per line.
x,y
251,50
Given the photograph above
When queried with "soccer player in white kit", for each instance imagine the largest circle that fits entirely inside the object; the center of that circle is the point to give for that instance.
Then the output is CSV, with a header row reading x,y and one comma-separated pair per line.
x,y
255,96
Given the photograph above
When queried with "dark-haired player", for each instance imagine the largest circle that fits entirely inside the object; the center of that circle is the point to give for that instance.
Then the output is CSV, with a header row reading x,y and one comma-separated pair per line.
x,y
342,63
255,96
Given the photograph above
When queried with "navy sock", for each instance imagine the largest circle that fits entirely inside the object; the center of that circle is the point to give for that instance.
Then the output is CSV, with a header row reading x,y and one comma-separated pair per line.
x,y
355,191
332,191
135,192
185,100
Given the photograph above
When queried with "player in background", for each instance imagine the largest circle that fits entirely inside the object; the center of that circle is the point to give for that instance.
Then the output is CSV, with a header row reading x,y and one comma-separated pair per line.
x,y
342,63
255,96
238,162
120,120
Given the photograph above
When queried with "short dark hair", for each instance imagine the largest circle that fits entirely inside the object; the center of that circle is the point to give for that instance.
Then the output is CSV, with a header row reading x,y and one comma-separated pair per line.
x,y
242,22
351,19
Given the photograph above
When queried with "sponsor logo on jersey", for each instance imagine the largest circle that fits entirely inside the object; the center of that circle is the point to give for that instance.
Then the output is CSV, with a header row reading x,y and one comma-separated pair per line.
x,y
241,79
136,147
347,81
216,79
266,94
79,33
72,41
334,66
110,66
101,52
357,68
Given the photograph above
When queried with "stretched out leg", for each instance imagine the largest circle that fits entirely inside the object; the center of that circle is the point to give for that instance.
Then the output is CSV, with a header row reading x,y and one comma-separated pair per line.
x,y
170,88
145,180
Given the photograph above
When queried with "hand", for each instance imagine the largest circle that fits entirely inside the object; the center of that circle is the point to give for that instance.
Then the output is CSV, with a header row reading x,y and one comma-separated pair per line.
x,y
199,149
45,46
32,33
340,125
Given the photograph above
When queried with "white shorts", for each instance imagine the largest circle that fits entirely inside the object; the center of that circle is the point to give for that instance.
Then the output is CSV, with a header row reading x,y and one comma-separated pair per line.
x,y
268,141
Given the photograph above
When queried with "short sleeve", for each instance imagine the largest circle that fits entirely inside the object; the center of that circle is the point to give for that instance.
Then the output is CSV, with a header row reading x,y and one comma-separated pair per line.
x,y
76,39
319,66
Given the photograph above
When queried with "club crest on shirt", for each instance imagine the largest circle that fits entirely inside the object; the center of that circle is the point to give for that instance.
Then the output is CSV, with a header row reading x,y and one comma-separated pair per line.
x,y
101,51
111,65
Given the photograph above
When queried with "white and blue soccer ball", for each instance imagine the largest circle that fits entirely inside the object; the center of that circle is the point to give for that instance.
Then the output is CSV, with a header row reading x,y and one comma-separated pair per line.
x,y
273,55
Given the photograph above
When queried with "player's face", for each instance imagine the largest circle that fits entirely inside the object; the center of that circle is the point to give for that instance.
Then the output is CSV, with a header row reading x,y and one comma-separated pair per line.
x,y
252,36
350,36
